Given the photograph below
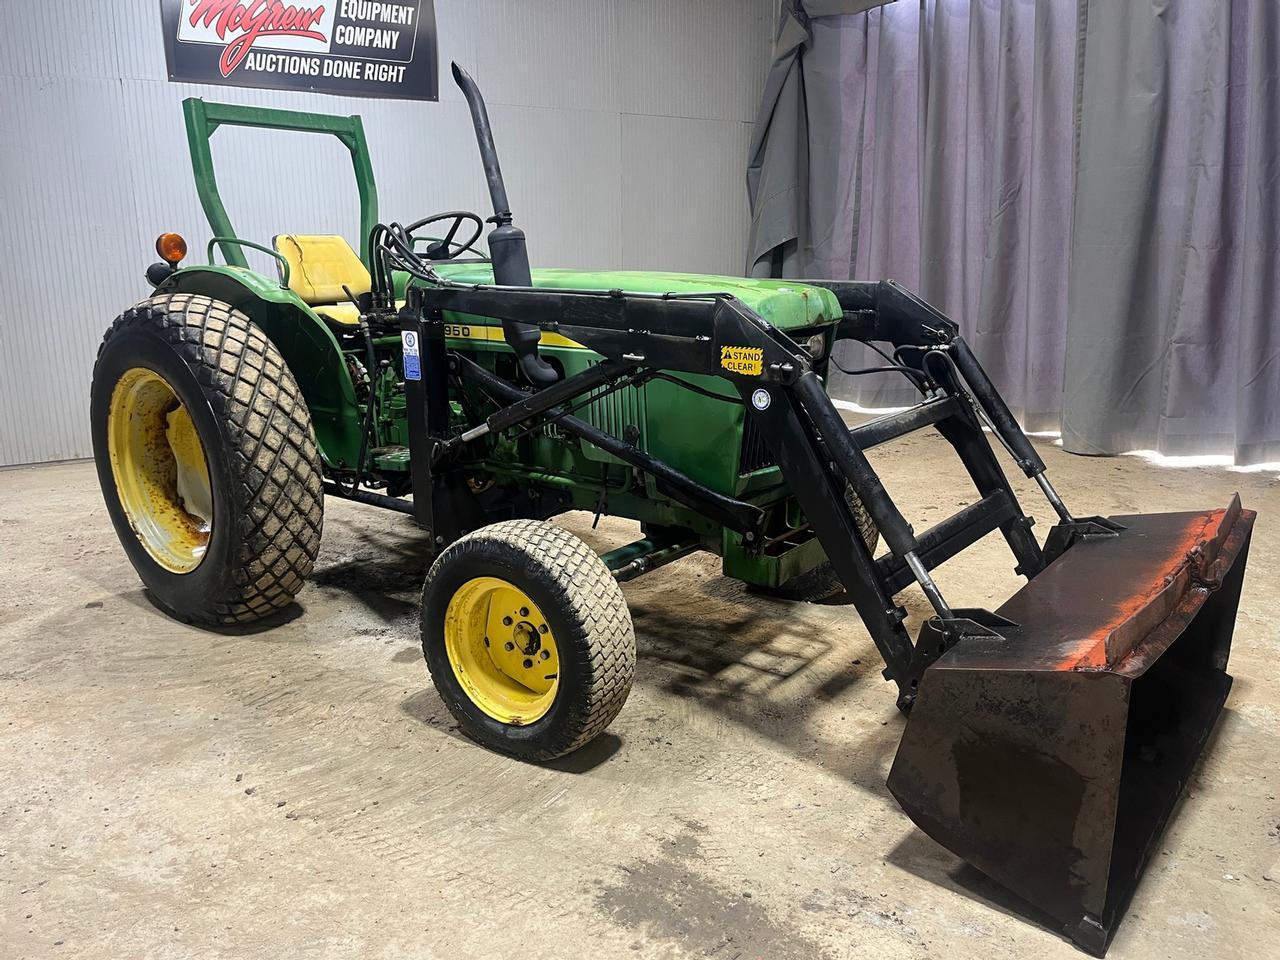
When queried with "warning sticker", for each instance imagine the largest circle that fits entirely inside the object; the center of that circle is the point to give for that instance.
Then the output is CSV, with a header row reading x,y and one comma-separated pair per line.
x,y
748,361
412,359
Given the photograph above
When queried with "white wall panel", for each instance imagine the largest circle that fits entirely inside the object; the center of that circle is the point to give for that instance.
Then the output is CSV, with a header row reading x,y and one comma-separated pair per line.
x,y
564,183
68,213
682,201
549,53
64,38
622,126
694,58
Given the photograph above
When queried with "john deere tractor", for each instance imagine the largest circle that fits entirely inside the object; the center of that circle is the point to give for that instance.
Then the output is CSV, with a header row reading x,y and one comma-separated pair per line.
x,y
1046,741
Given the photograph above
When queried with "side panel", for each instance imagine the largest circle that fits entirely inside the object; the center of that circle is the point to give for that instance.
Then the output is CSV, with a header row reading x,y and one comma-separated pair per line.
x,y
309,347
698,435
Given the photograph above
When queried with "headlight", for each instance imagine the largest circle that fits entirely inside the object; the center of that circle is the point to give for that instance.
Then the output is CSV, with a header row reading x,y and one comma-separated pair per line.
x,y
816,345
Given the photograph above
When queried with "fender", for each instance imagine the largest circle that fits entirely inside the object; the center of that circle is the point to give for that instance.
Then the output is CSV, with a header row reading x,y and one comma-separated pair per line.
x,y
308,345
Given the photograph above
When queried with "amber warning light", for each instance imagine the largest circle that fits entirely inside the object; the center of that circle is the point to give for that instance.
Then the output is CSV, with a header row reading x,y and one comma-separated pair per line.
x,y
171,247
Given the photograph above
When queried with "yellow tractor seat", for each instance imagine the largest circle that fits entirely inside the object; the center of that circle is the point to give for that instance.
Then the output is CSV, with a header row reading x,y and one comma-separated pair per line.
x,y
319,267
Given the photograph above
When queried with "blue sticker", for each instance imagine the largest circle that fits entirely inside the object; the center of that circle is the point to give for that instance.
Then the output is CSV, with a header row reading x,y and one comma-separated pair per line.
x,y
412,361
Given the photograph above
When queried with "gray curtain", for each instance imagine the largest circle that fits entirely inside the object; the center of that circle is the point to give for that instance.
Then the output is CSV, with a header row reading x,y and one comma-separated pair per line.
x,y
1091,189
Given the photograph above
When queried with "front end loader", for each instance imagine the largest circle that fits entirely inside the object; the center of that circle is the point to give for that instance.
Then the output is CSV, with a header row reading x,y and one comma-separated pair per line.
x,y
1047,741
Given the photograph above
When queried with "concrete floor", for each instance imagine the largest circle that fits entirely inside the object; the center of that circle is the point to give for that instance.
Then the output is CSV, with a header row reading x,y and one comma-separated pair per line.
x,y
300,791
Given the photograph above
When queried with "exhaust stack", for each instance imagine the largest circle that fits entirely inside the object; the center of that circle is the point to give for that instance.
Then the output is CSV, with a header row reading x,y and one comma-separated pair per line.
x,y
507,247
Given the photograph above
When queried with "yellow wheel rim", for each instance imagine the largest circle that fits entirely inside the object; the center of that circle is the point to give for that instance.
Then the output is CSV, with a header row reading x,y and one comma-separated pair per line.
x,y
502,650
160,470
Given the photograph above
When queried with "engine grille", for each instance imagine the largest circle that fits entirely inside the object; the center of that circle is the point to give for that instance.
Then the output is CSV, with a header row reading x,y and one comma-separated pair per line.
x,y
614,413
755,452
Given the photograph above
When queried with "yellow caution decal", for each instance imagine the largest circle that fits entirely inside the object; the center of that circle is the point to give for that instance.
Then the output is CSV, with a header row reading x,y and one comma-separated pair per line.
x,y
748,361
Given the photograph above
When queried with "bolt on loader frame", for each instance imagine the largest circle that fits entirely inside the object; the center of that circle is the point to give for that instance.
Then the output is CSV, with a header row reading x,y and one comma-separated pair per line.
x,y
1047,742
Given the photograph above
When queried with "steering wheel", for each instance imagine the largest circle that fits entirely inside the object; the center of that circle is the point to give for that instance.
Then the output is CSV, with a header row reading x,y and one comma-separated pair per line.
x,y
447,247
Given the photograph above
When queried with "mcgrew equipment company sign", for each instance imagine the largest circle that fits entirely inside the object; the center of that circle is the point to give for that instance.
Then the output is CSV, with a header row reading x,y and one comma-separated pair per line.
x,y
359,48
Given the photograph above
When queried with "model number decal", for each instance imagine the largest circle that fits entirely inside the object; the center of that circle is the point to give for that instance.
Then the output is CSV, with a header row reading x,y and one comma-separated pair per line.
x,y
748,361
461,330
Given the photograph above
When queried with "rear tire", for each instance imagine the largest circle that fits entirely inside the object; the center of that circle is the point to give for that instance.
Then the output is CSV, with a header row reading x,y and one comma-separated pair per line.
x,y
261,463
528,639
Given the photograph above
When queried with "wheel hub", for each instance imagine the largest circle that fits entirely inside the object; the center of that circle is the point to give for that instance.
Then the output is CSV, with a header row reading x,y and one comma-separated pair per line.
x,y
502,650
160,470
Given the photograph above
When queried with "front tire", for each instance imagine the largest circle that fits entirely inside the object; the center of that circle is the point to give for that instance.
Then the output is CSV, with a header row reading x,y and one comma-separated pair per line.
x,y
206,458
528,638
822,582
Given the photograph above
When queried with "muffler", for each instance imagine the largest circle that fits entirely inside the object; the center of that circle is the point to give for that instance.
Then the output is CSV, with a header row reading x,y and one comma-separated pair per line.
x,y
1051,753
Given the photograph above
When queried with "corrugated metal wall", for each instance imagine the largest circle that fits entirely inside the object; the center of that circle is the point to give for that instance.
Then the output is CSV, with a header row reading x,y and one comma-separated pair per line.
x,y
622,125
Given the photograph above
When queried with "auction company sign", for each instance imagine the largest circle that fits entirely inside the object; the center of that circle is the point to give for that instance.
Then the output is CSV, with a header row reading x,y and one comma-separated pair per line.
x,y
357,48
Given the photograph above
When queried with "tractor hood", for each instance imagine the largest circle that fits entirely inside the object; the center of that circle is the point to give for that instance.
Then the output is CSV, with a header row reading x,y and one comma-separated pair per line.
x,y
787,305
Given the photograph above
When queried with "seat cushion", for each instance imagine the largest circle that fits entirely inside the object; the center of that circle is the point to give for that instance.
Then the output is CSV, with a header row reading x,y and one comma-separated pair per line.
x,y
319,267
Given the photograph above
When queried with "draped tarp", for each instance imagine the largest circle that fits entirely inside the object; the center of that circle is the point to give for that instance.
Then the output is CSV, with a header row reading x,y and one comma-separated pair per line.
x,y
778,164
1089,188
1174,335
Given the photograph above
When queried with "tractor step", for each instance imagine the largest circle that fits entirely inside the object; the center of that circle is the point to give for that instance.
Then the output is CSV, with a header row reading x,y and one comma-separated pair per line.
x,y
1050,753
391,457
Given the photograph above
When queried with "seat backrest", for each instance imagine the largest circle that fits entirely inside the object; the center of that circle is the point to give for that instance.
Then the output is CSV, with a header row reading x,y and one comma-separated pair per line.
x,y
320,265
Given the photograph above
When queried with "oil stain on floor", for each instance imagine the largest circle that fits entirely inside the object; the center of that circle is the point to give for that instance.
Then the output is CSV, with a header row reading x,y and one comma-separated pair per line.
x,y
664,897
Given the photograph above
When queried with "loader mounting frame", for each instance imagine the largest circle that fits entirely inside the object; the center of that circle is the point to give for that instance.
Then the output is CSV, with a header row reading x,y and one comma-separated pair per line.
x,y
644,335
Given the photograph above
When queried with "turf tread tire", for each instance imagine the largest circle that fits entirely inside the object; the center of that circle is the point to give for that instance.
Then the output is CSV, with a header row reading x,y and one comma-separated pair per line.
x,y
590,620
274,460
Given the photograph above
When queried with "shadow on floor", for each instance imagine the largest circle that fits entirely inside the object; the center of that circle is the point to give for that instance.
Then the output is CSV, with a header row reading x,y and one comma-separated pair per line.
x,y
738,667
426,707
383,573
920,856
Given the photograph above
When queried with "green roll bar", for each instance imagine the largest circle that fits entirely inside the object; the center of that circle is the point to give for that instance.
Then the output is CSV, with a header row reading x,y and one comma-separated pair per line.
x,y
203,119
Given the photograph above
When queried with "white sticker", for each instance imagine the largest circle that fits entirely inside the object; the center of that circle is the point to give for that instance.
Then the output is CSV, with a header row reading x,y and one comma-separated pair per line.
x,y
760,399
410,340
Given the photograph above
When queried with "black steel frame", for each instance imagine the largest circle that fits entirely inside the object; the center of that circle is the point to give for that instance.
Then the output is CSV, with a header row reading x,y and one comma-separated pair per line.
x,y
641,334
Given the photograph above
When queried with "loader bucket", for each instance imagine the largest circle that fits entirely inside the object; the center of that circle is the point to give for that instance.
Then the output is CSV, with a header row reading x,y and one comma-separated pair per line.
x,y
1050,756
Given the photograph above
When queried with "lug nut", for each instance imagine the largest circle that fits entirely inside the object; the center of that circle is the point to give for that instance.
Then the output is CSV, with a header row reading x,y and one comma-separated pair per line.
x,y
524,611
506,621
527,663
545,654
542,628
508,646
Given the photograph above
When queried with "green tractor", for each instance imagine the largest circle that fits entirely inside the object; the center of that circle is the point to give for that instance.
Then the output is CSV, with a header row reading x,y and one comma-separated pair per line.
x,y
1046,741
